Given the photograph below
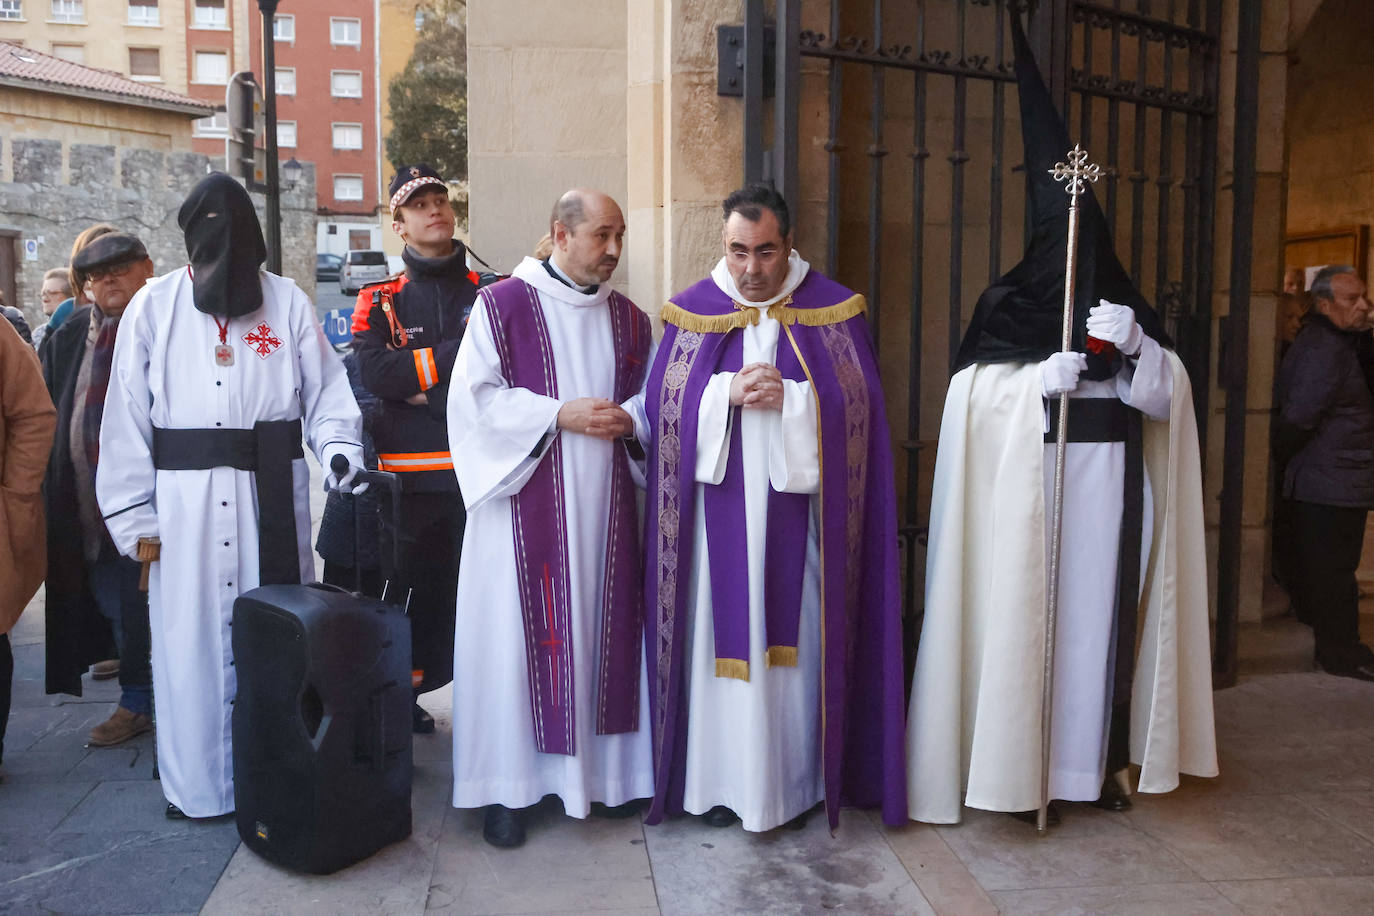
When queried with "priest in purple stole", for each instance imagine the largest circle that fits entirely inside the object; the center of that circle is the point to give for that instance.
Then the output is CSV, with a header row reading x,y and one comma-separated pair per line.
x,y
771,545
548,683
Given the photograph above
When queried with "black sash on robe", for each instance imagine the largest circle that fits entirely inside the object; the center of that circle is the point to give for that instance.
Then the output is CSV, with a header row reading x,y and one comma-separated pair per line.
x,y
267,450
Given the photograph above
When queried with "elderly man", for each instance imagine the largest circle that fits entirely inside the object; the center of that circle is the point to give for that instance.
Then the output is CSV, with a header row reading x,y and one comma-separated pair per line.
x,y
84,565
1326,433
771,543
56,289
220,371
548,692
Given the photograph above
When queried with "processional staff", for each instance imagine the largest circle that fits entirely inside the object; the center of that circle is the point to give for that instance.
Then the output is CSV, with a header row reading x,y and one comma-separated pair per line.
x,y
1076,172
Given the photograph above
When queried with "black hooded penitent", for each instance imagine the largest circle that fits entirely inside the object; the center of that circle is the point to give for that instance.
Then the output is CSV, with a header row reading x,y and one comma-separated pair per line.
x,y
1020,317
225,245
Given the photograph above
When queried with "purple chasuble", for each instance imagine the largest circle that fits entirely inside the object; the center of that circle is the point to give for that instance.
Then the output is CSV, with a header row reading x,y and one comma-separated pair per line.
x,y
826,338
540,530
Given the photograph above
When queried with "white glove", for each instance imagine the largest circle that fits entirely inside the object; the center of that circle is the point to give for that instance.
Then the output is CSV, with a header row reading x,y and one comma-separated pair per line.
x,y
1116,324
1060,372
334,482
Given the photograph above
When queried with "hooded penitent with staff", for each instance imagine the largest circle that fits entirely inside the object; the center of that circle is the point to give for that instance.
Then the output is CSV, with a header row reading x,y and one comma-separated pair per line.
x,y
221,378
1130,676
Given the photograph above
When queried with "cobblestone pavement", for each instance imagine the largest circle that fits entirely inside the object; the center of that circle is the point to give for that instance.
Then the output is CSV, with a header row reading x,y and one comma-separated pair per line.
x,y
1287,828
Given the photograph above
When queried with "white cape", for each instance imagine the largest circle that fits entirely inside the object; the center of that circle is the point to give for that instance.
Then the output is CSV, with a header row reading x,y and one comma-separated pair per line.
x,y
974,724
164,374
494,430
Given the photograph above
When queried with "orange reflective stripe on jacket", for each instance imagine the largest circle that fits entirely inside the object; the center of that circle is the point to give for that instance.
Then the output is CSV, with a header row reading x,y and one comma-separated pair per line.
x,y
425,370
415,461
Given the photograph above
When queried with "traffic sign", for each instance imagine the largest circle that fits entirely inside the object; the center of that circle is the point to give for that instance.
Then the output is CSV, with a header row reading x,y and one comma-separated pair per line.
x,y
338,327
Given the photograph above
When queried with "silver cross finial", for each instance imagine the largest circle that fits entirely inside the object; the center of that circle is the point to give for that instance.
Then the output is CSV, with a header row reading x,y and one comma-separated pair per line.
x,y
1077,171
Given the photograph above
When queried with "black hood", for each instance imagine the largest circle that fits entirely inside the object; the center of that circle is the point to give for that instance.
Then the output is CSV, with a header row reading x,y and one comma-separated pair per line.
x,y
224,242
1019,318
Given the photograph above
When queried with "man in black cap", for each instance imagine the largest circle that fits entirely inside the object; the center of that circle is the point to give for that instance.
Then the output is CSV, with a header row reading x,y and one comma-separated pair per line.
x,y
1131,674
86,574
406,332
222,377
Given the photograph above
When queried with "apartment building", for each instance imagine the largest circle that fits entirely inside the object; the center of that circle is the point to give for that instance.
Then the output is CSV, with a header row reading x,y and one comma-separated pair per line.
x,y
328,92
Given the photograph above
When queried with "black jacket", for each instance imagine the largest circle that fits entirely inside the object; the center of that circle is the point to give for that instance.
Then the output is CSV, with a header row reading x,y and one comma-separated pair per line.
x,y
76,633
1326,416
410,353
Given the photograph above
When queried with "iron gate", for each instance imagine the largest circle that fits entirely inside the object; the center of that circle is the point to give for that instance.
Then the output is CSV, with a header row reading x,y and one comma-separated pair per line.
x,y
1137,81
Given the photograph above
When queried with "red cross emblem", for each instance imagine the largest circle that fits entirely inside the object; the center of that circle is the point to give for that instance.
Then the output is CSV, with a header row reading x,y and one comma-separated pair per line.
x,y
553,643
262,340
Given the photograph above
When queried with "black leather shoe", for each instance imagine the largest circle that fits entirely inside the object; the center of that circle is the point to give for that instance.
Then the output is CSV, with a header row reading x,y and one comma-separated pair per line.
x,y
502,827
1112,798
619,812
798,822
421,722
174,813
720,816
1030,817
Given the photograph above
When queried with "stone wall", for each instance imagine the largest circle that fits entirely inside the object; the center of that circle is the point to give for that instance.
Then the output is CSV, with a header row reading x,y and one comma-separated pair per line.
x,y
53,190
546,112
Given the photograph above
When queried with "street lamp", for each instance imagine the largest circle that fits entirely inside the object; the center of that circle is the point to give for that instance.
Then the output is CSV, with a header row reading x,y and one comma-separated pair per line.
x,y
269,66
291,173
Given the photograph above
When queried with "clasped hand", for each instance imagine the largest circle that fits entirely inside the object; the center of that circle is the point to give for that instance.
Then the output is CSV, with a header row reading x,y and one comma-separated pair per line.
x,y
757,385
596,417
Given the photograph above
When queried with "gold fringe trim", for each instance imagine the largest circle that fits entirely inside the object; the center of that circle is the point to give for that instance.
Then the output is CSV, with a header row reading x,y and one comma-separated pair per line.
x,y
782,656
745,315
736,668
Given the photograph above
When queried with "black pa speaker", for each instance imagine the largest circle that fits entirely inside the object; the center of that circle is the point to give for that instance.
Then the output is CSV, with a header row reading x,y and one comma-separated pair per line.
x,y
321,725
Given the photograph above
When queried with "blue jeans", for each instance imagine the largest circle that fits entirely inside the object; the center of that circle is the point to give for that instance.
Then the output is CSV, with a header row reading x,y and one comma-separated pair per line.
x,y
114,584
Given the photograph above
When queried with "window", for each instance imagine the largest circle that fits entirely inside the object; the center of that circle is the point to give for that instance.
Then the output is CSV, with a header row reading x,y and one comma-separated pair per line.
x,y
348,187
145,62
209,14
74,53
346,32
68,11
211,67
286,80
11,9
144,12
286,134
215,126
346,84
348,136
284,28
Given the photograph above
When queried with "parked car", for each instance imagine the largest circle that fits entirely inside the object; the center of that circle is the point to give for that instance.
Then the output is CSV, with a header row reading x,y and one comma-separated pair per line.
x,y
360,268
327,267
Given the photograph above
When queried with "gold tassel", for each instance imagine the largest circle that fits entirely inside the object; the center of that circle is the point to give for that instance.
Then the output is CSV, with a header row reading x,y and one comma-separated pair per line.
x,y
819,318
782,656
736,668
745,315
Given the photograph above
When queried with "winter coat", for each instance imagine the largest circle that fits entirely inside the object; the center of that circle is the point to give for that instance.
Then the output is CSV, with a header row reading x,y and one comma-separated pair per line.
x,y
27,420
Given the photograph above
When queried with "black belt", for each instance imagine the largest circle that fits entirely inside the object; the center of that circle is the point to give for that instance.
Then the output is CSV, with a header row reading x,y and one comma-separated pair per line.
x,y
267,450
1092,420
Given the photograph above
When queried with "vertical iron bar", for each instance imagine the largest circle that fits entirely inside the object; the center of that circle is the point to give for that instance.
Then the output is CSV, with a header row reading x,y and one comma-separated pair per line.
x,y
1163,182
753,91
1138,176
832,149
957,157
1201,366
1085,101
919,155
876,152
1238,337
1114,127
995,177
786,104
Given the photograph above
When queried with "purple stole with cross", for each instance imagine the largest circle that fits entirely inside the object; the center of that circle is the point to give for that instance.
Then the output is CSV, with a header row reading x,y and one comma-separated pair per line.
x,y
540,530
825,340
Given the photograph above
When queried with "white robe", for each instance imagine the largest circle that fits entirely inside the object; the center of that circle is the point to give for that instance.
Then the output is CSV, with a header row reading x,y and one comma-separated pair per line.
x,y
973,733
755,746
493,428
164,375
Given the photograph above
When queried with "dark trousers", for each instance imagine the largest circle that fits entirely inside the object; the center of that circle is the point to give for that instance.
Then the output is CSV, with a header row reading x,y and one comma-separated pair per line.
x,y
1326,553
431,539
114,584
6,678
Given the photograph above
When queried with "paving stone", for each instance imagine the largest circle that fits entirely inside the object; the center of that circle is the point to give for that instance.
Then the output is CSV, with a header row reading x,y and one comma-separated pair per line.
x,y
1188,899
1328,896
702,869
36,808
